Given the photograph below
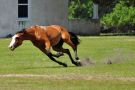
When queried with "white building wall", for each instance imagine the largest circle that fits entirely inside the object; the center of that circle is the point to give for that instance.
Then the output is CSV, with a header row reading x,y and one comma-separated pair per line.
x,y
48,12
7,17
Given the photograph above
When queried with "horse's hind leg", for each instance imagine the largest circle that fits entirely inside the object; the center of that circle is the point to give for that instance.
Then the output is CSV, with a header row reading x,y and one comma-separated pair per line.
x,y
74,47
71,40
60,49
59,45
76,55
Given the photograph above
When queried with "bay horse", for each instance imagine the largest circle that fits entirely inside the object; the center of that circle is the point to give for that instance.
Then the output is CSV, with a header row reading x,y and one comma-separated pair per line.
x,y
47,37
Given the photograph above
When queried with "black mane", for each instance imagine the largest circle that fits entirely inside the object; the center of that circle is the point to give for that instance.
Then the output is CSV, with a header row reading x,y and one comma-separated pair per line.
x,y
22,31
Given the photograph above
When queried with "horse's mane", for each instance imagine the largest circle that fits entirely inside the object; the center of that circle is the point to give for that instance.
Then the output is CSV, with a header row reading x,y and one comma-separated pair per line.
x,y
21,31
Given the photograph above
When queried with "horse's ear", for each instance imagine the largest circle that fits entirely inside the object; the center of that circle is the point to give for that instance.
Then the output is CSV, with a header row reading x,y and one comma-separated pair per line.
x,y
24,31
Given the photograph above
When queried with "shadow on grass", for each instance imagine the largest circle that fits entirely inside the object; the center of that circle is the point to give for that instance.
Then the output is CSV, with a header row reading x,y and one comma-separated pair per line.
x,y
48,67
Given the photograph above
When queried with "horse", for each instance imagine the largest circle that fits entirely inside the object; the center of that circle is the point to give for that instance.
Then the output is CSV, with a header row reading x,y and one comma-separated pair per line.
x,y
46,38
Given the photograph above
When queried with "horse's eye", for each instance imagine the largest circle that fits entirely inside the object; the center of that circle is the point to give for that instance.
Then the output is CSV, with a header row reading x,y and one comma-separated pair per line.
x,y
17,38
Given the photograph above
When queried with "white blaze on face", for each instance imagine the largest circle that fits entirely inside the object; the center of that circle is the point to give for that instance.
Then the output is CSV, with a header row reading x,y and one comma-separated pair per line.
x,y
13,41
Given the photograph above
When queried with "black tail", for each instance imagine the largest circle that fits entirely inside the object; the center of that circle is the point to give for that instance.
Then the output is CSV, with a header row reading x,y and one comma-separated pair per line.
x,y
74,38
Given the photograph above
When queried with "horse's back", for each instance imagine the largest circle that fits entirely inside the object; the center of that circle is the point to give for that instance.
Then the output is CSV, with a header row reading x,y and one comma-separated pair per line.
x,y
53,33
56,30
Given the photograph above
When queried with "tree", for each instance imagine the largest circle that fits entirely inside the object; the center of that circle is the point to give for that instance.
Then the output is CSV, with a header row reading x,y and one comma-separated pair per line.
x,y
80,9
122,15
83,9
129,2
104,2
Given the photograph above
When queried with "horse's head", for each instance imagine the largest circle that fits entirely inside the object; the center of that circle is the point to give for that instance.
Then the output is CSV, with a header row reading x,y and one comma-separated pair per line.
x,y
17,40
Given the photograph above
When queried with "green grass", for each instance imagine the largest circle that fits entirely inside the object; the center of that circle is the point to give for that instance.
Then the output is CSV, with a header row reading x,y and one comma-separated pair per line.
x,y
41,84
29,60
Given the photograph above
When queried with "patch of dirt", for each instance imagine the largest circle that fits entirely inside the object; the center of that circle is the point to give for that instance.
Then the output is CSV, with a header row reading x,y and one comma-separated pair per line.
x,y
119,56
86,62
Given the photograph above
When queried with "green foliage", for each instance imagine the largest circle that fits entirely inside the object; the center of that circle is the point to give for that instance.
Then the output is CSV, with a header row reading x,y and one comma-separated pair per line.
x,y
80,9
122,15
129,2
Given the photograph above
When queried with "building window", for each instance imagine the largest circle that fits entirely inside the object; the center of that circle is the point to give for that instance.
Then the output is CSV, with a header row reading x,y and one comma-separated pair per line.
x,y
23,8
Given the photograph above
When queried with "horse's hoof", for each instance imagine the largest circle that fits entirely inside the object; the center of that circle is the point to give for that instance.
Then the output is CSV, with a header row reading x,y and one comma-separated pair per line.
x,y
65,65
59,54
77,58
78,64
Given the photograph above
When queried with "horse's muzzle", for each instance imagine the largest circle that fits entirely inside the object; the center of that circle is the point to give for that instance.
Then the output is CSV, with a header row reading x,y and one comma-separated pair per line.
x,y
11,48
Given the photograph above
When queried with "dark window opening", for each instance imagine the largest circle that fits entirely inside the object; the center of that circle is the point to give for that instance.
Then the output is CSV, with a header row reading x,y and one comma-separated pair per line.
x,y
22,1
22,11
22,8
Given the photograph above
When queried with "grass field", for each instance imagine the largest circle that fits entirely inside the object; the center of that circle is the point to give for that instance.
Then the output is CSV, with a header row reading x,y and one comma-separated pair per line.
x,y
29,69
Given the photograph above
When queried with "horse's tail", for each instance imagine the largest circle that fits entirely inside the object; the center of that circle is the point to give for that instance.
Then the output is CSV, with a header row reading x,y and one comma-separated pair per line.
x,y
74,38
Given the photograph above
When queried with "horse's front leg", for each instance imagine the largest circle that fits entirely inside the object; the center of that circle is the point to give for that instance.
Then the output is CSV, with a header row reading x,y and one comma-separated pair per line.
x,y
58,54
50,55
53,59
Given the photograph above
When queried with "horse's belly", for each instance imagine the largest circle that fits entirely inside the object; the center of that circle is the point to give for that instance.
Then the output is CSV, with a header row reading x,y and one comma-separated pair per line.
x,y
55,40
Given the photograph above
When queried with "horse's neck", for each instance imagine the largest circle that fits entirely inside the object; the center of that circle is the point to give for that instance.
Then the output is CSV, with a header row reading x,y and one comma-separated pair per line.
x,y
29,35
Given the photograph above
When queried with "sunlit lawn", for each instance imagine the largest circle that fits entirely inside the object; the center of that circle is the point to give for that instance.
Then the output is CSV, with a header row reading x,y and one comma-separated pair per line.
x,y
29,60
